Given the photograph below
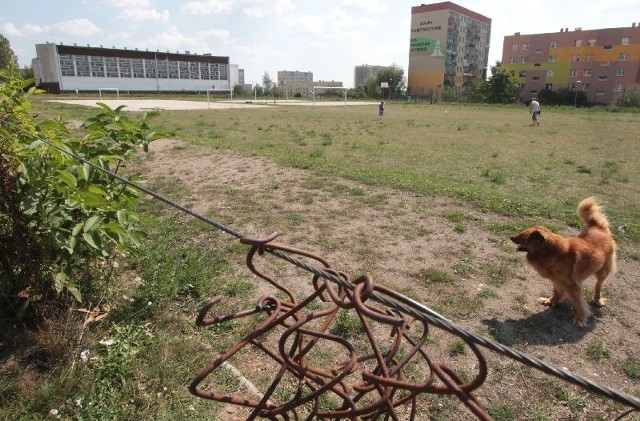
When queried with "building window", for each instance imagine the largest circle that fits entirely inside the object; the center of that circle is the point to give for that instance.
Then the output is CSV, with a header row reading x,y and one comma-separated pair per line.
x,y
554,44
626,41
97,66
173,70
572,87
183,66
138,67
66,65
600,93
162,69
618,88
523,73
576,57
204,71
550,73
525,46
536,78
607,47
602,78
588,72
111,66
512,60
585,86
150,69
193,70
82,66
604,63
525,59
619,72
589,57
548,86
577,43
552,59
573,73
538,50
124,64
536,65
514,47
624,57
591,43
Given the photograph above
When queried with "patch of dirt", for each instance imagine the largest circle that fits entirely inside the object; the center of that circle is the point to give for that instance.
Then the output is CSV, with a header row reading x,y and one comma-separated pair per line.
x,y
438,251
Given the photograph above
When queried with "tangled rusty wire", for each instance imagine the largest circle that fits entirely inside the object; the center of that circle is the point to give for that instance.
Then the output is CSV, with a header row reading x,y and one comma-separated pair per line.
x,y
376,380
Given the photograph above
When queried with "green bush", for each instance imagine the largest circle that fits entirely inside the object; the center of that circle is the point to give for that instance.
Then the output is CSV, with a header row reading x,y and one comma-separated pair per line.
x,y
60,214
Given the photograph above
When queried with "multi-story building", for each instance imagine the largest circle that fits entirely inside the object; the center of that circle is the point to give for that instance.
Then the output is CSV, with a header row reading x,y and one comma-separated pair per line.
x,y
600,62
64,68
295,82
362,72
449,49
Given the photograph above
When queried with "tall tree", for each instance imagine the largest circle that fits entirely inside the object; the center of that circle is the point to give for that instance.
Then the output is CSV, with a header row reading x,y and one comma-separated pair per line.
x,y
267,83
502,87
393,75
6,53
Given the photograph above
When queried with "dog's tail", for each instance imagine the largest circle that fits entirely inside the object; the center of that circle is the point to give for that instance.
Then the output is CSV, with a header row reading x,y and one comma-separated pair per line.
x,y
591,213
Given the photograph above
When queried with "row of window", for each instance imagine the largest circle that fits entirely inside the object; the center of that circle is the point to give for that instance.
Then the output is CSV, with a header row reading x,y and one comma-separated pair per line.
x,y
574,73
574,58
585,88
96,66
576,43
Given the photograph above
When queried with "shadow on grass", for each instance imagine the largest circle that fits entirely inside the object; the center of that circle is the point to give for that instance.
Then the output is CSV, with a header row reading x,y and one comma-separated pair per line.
x,y
551,326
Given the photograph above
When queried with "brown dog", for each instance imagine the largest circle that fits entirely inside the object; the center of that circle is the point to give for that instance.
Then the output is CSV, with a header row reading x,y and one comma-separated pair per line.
x,y
569,261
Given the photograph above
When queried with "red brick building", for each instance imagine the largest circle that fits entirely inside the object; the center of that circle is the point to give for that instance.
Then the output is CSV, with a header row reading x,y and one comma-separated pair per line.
x,y
600,62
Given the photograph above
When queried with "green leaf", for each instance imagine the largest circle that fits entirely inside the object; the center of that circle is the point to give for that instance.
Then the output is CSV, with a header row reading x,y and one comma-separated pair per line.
x,y
91,224
93,242
77,228
67,178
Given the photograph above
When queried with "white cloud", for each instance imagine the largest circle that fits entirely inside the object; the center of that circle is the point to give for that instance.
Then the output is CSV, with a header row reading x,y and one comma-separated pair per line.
x,y
373,6
138,15
27,30
202,42
208,7
128,3
257,12
77,27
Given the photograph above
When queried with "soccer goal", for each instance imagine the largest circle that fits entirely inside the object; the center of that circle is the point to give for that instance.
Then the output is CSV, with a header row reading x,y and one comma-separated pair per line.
x,y
315,88
209,91
116,90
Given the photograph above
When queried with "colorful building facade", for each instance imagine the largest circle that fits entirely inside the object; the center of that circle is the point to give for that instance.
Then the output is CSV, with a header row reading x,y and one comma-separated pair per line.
x,y
599,62
449,49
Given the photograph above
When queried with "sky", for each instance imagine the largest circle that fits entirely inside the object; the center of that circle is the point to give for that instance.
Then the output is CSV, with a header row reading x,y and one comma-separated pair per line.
x,y
328,37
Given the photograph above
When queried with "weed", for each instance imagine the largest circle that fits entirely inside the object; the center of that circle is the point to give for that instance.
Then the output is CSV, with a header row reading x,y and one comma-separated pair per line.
x,y
458,347
631,367
434,275
347,325
597,351
583,170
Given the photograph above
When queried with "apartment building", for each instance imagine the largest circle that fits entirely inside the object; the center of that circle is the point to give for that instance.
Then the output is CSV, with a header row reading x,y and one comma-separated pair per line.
x,y
599,62
449,49
362,72
296,82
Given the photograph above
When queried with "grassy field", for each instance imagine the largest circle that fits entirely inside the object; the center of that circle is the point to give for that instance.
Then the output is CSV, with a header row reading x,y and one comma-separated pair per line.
x,y
489,156
494,171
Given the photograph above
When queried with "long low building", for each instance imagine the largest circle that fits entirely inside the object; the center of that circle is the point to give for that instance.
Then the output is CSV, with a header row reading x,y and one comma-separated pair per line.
x,y
65,68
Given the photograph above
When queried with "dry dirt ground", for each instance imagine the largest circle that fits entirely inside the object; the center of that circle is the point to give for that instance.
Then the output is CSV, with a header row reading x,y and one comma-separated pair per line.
x,y
401,238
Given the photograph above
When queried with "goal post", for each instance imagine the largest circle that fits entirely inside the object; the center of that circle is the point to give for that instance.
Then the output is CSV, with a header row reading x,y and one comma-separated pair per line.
x,y
116,90
313,92
210,90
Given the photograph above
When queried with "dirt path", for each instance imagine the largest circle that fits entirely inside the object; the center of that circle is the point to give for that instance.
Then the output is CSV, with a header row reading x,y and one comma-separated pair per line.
x,y
435,250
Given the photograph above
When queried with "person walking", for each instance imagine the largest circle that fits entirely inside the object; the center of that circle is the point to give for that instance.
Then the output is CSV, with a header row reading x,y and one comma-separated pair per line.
x,y
535,112
381,109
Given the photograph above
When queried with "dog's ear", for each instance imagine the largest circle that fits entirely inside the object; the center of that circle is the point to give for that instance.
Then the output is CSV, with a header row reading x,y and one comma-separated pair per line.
x,y
537,236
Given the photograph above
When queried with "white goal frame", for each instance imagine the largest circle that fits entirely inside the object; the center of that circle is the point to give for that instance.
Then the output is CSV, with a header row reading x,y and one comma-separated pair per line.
x,y
218,90
116,90
313,92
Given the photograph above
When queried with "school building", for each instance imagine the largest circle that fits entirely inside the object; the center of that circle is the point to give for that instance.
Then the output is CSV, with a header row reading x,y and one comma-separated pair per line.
x,y
65,68
448,51
599,62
